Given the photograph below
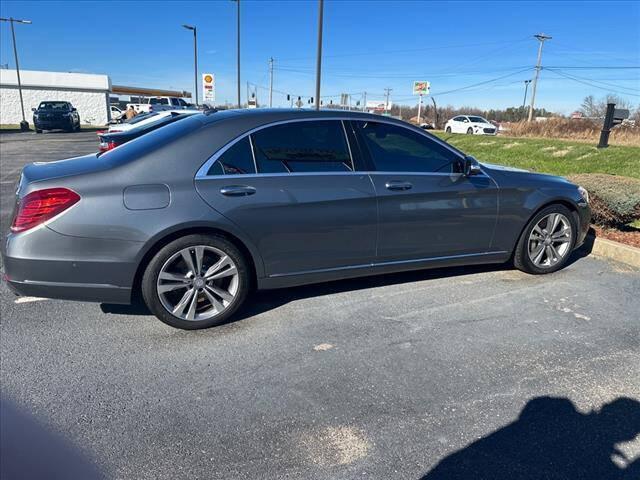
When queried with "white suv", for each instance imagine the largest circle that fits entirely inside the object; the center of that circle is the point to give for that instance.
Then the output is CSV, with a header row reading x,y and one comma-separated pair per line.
x,y
471,125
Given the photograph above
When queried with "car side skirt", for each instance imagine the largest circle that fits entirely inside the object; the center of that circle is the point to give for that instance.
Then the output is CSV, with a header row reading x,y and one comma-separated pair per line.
x,y
354,271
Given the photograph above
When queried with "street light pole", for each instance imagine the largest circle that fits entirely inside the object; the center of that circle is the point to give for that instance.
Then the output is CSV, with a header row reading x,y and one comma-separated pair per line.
x,y
24,125
195,57
319,58
238,49
270,82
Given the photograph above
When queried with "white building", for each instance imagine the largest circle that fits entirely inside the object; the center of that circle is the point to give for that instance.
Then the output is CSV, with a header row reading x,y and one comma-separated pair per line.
x,y
88,93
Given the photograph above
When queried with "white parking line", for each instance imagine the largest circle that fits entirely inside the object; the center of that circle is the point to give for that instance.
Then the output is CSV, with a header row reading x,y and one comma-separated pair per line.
x,y
29,299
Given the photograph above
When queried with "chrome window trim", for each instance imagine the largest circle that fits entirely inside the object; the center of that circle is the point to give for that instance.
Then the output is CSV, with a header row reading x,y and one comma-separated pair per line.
x,y
202,171
253,154
346,140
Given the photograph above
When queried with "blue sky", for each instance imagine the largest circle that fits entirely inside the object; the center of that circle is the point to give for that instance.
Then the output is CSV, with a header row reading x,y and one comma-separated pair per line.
x,y
368,45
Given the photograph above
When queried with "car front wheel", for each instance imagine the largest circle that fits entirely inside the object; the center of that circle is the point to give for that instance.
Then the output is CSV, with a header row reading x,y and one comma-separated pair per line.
x,y
448,129
469,131
547,242
197,281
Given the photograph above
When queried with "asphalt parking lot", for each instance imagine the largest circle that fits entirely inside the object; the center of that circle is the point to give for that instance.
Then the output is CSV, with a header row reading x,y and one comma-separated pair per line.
x,y
383,377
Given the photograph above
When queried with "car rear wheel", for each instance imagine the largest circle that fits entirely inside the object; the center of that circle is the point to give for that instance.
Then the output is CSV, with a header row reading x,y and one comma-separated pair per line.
x,y
197,281
38,130
448,129
469,131
547,242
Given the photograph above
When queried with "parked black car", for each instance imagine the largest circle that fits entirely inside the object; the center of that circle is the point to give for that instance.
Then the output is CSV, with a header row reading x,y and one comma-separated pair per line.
x,y
109,141
56,115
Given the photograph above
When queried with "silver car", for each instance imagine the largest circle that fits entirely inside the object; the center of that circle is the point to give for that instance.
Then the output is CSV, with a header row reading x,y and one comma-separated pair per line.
x,y
192,216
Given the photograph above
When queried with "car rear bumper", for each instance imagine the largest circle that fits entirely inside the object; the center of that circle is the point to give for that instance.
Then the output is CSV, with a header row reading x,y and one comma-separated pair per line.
x,y
44,263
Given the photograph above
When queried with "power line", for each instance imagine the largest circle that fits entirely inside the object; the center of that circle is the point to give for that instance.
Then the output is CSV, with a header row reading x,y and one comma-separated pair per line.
x,y
412,50
595,80
584,82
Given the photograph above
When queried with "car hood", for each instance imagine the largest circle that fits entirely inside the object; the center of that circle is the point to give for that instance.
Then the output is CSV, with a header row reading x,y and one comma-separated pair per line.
x,y
543,179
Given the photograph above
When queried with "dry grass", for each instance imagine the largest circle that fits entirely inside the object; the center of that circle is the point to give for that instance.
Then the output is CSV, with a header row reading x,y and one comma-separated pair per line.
x,y
579,130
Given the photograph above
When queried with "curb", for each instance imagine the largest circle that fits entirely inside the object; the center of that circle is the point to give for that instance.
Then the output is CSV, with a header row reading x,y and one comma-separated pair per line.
x,y
616,251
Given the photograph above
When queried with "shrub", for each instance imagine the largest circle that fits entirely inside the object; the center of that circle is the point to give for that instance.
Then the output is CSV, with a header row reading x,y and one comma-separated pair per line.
x,y
615,200
574,129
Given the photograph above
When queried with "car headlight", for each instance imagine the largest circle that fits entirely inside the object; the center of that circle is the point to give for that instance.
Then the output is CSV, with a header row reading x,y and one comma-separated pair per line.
x,y
584,194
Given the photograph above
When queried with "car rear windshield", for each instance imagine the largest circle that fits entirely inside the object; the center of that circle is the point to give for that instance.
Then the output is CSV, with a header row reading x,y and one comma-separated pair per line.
x,y
54,106
151,141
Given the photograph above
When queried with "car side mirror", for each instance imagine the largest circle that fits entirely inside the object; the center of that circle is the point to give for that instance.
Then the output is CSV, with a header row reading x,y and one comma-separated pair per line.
x,y
471,166
34,109
74,109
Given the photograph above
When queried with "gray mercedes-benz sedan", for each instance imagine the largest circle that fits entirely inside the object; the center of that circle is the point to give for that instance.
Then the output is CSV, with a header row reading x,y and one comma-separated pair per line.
x,y
194,215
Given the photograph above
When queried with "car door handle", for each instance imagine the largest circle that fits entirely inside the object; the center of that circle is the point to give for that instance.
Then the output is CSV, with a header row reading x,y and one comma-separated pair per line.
x,y
397,185
237,190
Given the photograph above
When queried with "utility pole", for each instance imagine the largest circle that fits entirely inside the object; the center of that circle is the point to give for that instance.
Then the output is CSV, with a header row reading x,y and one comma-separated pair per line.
x,y
524,102
435,113
364,101
319,58
541,38
195,57
387,92
24,125
271,82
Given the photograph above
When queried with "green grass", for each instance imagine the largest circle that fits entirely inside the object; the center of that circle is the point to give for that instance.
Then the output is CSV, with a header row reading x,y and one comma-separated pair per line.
x,y
558,157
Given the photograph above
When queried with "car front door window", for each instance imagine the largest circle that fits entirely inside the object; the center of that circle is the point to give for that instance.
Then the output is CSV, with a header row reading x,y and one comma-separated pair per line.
x,y
397,149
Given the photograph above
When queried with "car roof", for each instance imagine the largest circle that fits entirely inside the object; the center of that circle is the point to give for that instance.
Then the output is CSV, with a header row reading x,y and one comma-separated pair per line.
x,y
266,115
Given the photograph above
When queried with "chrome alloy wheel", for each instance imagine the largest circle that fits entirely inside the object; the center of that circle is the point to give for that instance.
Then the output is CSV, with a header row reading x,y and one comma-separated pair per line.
x,y
550,240
197,283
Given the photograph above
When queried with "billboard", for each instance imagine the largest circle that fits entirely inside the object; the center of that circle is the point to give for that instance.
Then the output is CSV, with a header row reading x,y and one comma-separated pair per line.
x,y
421,88
208,88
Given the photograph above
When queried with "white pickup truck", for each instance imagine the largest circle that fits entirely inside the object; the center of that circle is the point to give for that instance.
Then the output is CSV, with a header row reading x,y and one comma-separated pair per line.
x,y
157,104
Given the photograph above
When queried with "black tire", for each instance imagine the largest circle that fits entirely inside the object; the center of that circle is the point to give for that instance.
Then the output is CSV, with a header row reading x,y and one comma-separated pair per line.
x,y
521,258
469,131
447,130
38,130
150,278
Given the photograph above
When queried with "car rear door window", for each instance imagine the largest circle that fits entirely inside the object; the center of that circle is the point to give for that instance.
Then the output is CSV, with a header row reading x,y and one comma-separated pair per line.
x,y
397,149
237,160
314,146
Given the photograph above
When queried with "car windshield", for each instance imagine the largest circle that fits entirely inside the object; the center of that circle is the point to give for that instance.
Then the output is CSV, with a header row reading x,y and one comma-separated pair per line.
x,y
478,120
54,106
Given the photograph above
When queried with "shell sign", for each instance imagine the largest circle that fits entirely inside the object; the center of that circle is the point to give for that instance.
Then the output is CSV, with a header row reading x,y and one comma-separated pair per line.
x,y
208,88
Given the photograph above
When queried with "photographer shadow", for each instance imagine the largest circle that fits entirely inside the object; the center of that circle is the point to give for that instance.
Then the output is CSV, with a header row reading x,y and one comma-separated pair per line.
x,y
551,440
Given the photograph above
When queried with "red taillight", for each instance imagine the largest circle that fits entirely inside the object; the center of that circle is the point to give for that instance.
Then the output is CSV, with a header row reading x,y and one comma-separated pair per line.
x,y
42,205
106,146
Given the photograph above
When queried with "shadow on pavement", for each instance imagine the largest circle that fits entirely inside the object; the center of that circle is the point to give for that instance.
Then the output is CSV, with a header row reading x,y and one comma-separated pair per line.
x,y
31,451
551,440
263,301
